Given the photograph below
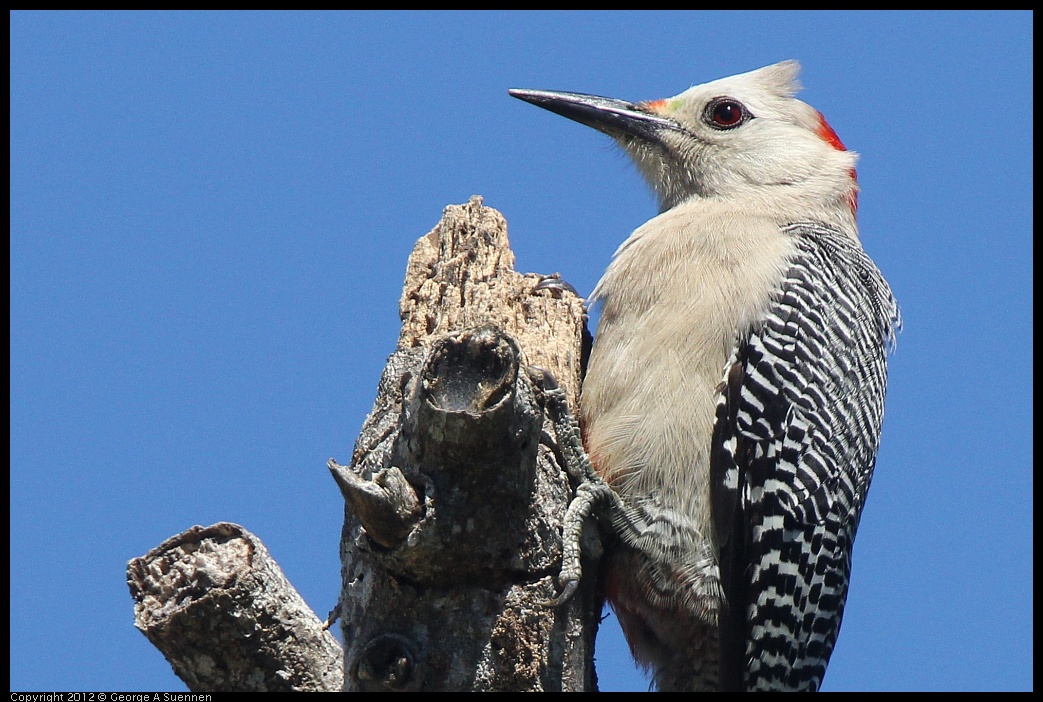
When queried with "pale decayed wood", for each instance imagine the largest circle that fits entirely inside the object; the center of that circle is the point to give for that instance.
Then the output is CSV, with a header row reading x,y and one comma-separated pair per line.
x,y
461,275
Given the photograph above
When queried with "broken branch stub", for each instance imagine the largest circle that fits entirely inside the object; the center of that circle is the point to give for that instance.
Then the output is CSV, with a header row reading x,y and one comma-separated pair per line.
x,y
217,606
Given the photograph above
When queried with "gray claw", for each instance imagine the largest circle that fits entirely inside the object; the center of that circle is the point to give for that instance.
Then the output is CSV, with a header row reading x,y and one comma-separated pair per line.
x,y
566,594
554,282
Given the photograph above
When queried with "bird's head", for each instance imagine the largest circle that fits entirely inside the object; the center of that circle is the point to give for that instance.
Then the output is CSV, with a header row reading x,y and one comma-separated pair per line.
x,y
745,137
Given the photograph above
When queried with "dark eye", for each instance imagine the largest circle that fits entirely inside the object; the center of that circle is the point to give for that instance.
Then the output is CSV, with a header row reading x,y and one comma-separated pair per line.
x,y
726,113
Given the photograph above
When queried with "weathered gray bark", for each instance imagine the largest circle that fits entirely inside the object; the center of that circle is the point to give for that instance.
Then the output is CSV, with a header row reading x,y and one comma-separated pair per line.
x,y
455,499
456,492
219,608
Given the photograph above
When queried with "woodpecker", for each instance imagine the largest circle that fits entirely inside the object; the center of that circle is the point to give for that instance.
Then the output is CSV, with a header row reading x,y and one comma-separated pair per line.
x,y
735,390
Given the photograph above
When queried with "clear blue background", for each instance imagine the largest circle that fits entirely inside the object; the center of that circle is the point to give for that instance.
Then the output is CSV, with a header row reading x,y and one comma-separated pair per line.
x,y
210,219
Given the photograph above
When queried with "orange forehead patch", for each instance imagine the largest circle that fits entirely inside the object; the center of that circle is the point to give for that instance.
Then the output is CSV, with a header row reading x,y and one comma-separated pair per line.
x,y
657,106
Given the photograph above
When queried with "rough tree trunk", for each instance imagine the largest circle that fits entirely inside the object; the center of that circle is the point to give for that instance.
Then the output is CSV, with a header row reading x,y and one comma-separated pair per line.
x,y
455,498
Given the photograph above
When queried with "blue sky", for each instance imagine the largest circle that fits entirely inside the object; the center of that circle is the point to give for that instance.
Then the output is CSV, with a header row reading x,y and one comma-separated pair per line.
x,y
210,219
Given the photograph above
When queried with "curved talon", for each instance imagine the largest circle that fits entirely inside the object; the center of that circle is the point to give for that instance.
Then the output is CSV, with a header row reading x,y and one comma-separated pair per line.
x,y
554,282
544,378
566,594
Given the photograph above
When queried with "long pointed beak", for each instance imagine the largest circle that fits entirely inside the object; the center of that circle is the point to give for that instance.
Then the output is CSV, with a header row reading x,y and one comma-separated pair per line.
x,y
611,116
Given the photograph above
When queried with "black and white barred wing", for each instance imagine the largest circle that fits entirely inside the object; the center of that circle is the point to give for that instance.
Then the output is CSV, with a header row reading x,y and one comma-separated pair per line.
x,y
795,441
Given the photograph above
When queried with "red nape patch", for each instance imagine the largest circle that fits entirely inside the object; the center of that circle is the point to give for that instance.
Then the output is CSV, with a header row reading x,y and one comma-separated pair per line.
x,y
826,132
830,137
852,198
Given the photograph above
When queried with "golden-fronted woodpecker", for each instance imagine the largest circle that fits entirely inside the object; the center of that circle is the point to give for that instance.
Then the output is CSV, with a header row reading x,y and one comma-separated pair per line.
x,y
735,391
